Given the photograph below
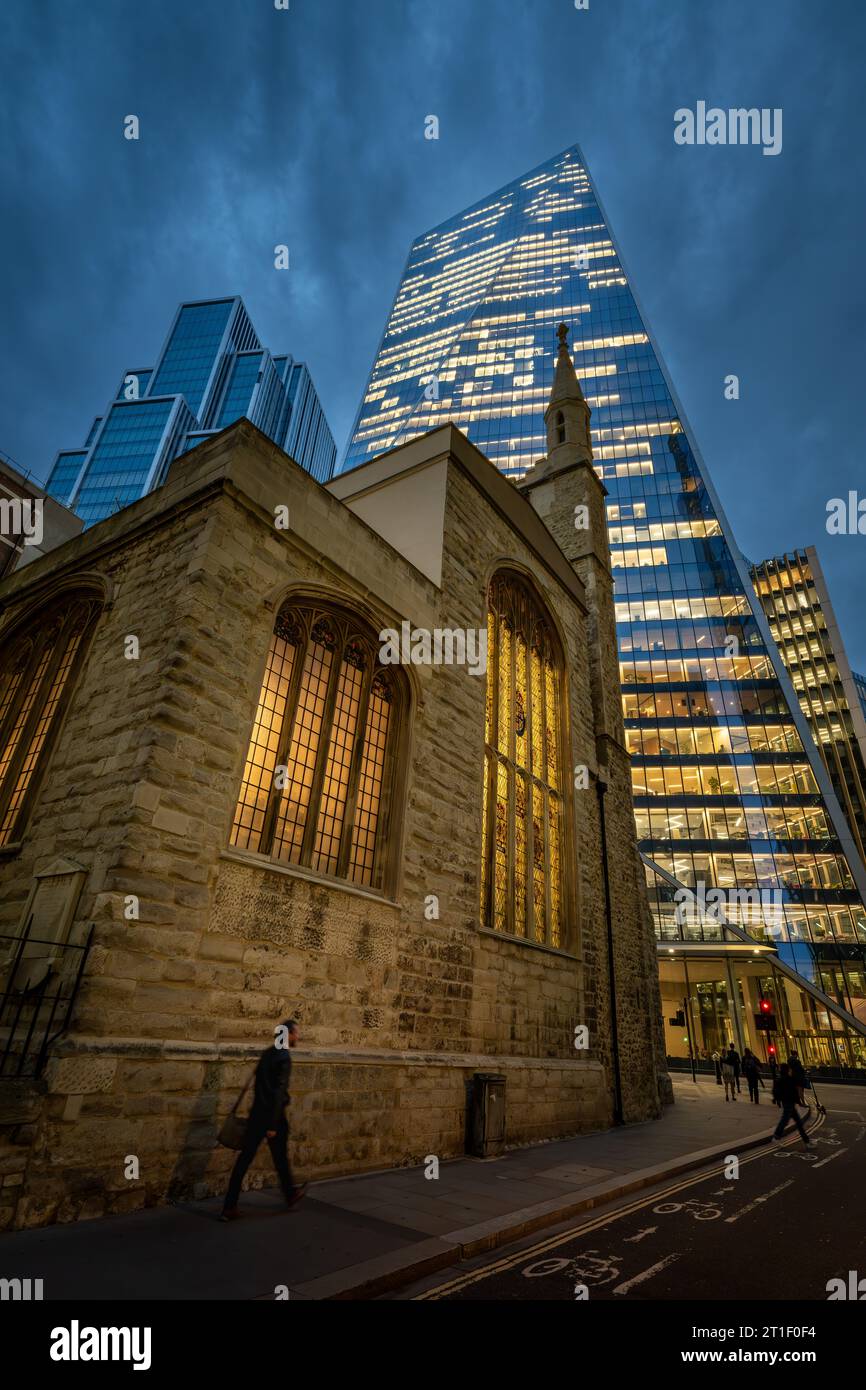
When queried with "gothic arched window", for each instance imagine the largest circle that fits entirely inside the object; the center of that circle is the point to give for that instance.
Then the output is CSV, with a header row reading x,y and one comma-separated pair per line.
x,y
38,668
318,782
560,427
521,855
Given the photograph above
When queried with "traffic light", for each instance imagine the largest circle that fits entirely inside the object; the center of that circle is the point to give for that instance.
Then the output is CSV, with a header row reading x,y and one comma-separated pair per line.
x,y
765,1019
772,1049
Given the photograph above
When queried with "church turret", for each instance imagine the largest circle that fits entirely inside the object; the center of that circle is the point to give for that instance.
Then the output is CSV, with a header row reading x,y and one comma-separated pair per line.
x,y
567,414
568,495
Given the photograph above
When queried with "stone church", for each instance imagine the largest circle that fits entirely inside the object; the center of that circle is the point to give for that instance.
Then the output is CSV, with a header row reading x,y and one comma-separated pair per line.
x,y
352,754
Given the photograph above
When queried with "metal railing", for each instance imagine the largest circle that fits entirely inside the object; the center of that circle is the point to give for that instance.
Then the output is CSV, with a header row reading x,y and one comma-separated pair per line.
x,y
820,1073
39,990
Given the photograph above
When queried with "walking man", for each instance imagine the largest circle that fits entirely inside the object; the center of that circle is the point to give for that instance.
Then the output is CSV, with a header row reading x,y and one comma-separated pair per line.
x,y
752,1073
785,1094
267,1120
729,1078
733,1057
799,1074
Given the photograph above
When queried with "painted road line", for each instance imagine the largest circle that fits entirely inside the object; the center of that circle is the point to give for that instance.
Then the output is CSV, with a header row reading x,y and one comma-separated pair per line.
x,y
508,1262
647,1274
647,1231
750,1206
837,1154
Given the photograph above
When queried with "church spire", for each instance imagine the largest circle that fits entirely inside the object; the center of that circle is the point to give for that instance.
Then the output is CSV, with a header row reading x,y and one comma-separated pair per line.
x,y
567,414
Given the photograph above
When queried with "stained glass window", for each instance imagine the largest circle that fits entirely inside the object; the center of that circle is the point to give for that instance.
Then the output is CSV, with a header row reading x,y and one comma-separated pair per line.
x,y
521,864
317,784
36,669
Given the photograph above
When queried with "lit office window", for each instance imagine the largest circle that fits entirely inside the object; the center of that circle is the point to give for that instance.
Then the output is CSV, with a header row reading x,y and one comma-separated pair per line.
x,y
318,783
521,857
37,672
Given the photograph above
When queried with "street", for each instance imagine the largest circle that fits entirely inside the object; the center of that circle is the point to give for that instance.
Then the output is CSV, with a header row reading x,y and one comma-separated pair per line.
x,y
788,1223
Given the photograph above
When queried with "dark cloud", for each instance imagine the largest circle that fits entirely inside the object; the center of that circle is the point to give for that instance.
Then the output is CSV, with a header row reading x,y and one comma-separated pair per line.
x,y
306,127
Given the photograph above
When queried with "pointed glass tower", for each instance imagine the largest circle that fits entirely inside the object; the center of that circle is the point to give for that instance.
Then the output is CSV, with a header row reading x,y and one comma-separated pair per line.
x,y
732,799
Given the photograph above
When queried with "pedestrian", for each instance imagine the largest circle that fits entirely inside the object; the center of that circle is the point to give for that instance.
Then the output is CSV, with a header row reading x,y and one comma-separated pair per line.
x,y
799,1075
267,1120
717,1063
785,1093
752,1072
729,1078
733,1057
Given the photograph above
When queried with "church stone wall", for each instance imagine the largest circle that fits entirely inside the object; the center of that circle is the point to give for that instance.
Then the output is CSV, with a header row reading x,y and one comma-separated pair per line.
x,y
397,1011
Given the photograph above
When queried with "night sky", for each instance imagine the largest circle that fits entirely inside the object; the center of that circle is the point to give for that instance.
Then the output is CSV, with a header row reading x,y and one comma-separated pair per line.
x,y
306,127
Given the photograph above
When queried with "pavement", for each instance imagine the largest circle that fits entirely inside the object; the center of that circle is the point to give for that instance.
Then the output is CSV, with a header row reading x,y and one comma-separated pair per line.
x,y
361,1237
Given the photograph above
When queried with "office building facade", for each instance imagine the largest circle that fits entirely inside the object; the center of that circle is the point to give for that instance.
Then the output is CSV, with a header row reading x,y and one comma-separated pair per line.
x,y
756,883
794,595
211,371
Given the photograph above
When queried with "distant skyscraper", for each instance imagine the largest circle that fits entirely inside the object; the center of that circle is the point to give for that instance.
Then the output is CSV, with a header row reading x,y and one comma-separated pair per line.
x,y
731,794
211,371
795,598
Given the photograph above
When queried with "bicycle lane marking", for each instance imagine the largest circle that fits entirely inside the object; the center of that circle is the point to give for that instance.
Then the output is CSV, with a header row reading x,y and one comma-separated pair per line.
x,y
837,1154
509,1262
750,1206
647,1274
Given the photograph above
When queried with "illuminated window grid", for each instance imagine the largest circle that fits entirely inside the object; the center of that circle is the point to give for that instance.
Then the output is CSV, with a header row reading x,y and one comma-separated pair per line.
x,y
39,735
664,530
708,605
445,409
301,760
540,868
500,848
485,833
12,682
627,430
258,778
370,433
330,817
332,800
524,889
370,786
12,739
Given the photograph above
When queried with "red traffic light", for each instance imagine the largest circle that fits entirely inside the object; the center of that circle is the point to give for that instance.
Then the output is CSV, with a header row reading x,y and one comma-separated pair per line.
x,y
772,1049
766,1006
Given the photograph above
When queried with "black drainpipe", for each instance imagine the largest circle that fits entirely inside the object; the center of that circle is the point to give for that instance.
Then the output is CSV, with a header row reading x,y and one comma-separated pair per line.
x,y
601,788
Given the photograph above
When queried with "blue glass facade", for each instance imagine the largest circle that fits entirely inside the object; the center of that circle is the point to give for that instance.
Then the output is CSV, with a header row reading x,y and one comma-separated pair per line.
x,y
64,474
243,379
190,356
730,792
306,433
121,462
211,371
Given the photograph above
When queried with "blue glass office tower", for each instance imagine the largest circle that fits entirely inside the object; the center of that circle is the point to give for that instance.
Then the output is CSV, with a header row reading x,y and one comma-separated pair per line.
x,y
731,796
212,370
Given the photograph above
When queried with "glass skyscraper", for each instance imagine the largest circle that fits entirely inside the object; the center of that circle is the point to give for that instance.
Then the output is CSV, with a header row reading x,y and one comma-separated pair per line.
x,y
796,600
731,795
212,370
